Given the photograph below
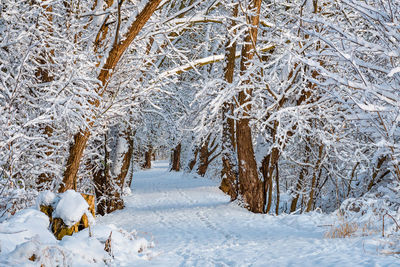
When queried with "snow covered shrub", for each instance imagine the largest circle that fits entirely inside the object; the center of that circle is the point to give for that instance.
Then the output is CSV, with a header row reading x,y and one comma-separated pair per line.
x,y
372,206
365,215
14,199
344,229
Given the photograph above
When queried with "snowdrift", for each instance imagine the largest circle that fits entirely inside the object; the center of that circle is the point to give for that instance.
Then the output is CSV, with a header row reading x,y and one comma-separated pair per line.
x,y
25,238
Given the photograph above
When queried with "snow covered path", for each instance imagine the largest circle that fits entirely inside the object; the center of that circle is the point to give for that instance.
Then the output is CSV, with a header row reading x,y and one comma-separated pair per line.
x,y
193,224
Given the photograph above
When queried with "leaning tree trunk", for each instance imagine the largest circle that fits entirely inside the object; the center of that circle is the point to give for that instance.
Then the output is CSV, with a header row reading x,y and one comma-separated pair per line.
x,y
229,173
176,158
75,155
250,186
115,54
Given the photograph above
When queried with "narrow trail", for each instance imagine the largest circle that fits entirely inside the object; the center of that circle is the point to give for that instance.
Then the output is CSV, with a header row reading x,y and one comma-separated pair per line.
x,y
192,223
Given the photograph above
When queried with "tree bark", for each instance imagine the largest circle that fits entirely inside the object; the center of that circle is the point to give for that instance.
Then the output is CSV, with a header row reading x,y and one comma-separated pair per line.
x,y
176,158
109,181
81,138
229,173
206,151
103,31
299,185
203,159
75,155
250,186
317,167
147,157
192,163
278,194
300,181
268,165
126,163
119,48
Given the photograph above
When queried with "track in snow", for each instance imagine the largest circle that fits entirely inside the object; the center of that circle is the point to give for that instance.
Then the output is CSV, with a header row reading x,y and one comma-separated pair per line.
x,y
194,224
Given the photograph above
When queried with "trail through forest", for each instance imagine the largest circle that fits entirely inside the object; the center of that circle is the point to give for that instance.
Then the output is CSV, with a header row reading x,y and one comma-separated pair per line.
x,y
192,223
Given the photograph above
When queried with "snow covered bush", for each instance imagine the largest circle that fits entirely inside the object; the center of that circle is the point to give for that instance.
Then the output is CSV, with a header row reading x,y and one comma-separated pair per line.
x,y
14,199
371,207
376,214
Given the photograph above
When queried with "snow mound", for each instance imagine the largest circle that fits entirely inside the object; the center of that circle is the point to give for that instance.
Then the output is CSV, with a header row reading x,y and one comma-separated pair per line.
x,y
25,240
45,198
126,247
71,207
24,225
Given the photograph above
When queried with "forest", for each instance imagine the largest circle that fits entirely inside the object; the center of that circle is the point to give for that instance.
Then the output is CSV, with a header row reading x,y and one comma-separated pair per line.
x,y
290,107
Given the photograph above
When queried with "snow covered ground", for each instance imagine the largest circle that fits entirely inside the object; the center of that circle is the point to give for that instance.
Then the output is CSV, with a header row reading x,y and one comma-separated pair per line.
x,y
175,219
192,223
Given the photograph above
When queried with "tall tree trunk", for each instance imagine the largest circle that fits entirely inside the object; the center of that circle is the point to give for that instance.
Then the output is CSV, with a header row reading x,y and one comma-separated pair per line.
x,y
268,165
102,181
203,158
299,186
147,157
126,160
229,173
75,155
110,180
317,168
206,151
300,180
176,158
116,52
192,163
250,186
129,170
278,194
